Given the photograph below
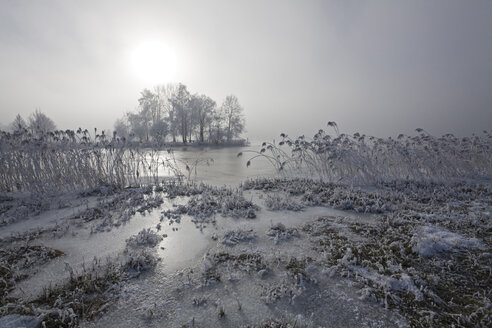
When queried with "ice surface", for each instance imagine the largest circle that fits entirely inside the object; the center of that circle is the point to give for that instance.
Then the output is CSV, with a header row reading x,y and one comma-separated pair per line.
x,y
81,247
227,168
18,321
51,216
172,296
231,271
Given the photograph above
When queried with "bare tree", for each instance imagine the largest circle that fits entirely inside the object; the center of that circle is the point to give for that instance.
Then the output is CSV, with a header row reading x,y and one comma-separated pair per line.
x,y
165,109
159,131
148,104
167,112
181,104
122,128
147,114
233,113
171,109
139,126
216,126
203,108
18,124
39,123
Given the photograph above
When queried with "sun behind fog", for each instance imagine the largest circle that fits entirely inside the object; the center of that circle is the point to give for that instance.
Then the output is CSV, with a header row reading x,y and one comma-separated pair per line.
x,y
154,62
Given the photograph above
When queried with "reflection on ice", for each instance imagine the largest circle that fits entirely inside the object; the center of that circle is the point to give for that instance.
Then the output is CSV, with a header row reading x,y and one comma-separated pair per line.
x,y
225,168
183,244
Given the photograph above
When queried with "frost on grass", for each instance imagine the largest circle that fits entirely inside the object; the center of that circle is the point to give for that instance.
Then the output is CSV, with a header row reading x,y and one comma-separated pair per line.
x,y
438,201
86,294
120,208
278,232
317,193
234,237
145,238
139,261
223,266
18,263
296,322
175,189
278,201
212,201
99,214
393,265
14,209
431,240
427,256
139,254
293,283
60,161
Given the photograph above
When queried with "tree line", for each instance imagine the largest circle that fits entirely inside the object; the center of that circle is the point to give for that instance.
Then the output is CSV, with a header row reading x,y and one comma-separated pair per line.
x,y
171,112
37,123
165,113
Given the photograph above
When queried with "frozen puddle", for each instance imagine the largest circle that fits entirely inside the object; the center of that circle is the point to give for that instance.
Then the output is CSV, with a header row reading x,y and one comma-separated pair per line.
x,y
165,301
48,218
203,281
80,249
176,294
183,244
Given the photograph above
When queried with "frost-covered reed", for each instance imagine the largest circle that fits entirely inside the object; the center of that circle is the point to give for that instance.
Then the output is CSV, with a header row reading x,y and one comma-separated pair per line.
x,y
361,159
71,160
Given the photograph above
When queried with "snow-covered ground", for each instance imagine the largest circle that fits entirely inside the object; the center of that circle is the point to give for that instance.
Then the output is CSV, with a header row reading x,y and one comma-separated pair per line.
x,y
269,253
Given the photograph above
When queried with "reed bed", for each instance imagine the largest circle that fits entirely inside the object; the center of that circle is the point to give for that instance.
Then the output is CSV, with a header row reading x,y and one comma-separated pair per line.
x,y
61,161
361,159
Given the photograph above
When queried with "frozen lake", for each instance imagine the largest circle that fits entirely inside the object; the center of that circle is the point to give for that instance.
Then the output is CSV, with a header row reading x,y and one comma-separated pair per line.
x,y
272,252
227,168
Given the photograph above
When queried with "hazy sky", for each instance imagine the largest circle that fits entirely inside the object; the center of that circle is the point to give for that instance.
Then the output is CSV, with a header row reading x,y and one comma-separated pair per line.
x,y
377,67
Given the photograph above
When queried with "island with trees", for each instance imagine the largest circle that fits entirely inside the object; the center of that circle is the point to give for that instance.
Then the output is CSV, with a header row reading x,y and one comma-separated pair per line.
x,y
170,113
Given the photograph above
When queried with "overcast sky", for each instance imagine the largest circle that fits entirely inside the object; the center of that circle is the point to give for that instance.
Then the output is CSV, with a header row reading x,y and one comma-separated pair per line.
x,y
377,67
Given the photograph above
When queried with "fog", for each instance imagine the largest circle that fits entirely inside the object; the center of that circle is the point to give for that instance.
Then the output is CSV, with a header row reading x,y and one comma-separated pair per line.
x,y
377,67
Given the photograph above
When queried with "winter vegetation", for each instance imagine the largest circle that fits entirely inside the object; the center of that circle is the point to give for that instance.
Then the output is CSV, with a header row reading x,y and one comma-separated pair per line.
x,y
131,195
58,161
101,231
361,159
38,124
171,112
38,158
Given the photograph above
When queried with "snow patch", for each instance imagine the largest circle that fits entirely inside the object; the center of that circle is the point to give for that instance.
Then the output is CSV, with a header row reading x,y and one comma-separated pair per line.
x,y
429,240
404,283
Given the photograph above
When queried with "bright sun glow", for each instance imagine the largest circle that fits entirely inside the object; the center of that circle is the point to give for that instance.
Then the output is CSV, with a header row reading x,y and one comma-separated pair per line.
x,y
154,62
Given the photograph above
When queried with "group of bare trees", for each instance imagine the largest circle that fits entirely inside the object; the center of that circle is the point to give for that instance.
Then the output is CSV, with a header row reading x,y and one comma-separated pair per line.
x,y
171,112
168,112
37,123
